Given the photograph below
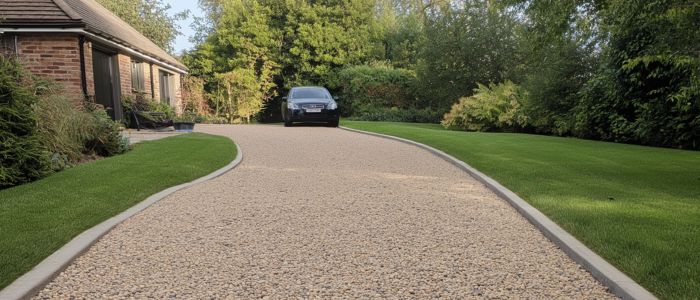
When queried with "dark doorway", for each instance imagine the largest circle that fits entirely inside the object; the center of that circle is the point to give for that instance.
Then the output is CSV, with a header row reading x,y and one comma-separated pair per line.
x,y
166,87
106,72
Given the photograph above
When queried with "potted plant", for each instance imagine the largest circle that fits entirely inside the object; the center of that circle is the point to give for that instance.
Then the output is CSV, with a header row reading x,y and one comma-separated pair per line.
x,y
184,122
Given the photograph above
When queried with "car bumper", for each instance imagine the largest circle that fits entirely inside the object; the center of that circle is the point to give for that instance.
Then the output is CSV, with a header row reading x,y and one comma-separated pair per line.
x,y
299,115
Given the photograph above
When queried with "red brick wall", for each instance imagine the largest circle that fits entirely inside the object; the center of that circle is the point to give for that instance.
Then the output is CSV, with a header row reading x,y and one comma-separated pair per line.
x,y
56,56
125,74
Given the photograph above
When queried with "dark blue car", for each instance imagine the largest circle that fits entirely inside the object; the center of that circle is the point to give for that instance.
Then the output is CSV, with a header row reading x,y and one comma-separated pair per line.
x,y
310,104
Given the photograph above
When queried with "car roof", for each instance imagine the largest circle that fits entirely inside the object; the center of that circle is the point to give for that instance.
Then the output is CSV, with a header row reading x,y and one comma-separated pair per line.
x,y
308,87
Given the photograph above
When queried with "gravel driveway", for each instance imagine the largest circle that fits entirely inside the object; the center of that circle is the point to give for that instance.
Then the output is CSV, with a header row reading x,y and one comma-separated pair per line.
x,y
317,212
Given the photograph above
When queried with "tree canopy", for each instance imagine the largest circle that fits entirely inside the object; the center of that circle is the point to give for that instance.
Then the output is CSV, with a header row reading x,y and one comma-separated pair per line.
x,y
619,70
150,17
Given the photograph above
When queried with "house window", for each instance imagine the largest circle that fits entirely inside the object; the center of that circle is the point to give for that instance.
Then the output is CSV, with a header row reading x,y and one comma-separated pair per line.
x,y
8,45
137,79
166,87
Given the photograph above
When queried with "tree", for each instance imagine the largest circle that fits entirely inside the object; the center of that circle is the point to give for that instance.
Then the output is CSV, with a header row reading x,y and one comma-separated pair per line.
x,y
648,88
466,45
149,17
558,44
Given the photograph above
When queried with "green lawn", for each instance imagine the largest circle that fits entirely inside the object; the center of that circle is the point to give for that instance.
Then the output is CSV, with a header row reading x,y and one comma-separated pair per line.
x,y
638,207
38,218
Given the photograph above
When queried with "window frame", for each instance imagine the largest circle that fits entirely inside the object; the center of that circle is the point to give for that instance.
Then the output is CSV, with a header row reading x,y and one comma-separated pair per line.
x,y
138,78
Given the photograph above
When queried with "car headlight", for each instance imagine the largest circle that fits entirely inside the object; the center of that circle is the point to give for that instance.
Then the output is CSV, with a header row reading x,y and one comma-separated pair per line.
x,y
332,106
291,105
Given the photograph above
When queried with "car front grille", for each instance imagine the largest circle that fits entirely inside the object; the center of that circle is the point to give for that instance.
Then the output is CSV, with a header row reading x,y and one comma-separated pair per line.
x,y
312,106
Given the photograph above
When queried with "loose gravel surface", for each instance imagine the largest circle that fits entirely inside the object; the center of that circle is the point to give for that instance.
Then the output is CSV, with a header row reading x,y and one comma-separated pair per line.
x,y
315,212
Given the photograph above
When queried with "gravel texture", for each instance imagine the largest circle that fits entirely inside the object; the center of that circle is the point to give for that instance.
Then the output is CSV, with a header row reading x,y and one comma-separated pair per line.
x,y
315,212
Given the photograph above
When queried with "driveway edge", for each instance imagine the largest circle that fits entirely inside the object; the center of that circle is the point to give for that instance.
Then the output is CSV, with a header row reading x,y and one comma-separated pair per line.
x,y
618,283
33,281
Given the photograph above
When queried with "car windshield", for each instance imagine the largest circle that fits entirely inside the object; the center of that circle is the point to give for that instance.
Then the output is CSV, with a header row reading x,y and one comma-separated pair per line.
x,y
309,94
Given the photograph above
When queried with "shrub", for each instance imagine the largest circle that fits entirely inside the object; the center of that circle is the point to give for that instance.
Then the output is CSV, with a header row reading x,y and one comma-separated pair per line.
x,y
22,158
660,105
105,137
370,89
141,102
63,128
194,97
410,115
495,107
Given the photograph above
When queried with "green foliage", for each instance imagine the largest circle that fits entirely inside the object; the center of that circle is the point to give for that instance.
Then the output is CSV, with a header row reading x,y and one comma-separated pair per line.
x,y
618,70
558,48
661,106
372,88
496,107
194,97
150,17
285,43
63,128
143,103
243,93
394,114
323,37
647,91
466,45
104,137
22,158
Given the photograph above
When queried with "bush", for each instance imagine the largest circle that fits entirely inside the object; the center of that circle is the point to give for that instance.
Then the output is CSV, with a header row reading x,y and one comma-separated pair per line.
x,y
22,158
194,97
105,137
141,102
410,115
496,107
63,129
370,89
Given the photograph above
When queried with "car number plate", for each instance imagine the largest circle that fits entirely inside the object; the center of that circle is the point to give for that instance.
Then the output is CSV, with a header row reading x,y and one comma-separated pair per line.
x,y
313,110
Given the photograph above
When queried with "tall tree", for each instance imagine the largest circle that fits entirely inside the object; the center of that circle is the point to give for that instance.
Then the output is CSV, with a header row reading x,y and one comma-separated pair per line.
x,y
150,17
648,88
466,44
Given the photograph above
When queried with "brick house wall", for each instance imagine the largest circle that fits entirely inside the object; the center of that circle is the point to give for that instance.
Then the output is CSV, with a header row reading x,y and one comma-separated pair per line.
x,y
56,56
124,74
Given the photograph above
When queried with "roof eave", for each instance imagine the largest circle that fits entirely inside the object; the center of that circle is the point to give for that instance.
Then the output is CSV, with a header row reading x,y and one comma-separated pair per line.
x,y
114,39
42,24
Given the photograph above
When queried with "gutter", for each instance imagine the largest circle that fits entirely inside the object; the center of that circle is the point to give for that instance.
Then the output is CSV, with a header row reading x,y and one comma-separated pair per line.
x,y
100,39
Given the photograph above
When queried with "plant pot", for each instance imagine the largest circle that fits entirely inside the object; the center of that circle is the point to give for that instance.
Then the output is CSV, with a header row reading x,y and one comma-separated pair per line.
x,y
184,126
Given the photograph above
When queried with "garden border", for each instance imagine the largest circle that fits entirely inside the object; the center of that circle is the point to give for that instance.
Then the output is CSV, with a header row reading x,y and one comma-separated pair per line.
x,y
619,283
33,281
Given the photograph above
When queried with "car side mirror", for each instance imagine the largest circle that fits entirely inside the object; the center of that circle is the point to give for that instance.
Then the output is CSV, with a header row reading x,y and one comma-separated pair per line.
x,y
335,98
284,98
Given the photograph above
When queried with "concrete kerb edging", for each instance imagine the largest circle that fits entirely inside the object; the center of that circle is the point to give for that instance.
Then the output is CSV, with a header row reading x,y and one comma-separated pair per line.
x,y
618,283
32,282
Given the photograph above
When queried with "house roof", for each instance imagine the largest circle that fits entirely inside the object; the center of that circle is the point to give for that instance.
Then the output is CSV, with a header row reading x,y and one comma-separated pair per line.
x,y
87,14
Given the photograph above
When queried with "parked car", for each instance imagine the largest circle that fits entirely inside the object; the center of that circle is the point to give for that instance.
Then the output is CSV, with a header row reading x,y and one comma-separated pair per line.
x,y
310,104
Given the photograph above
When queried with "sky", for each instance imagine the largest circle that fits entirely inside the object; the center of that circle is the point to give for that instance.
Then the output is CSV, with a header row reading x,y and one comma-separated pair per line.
x,y
182,42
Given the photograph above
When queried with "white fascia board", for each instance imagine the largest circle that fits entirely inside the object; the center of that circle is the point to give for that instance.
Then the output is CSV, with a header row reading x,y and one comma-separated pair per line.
x,y
100,39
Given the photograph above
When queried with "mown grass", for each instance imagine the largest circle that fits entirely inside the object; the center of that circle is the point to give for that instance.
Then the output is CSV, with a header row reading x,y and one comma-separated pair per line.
x,y
38,218
638,207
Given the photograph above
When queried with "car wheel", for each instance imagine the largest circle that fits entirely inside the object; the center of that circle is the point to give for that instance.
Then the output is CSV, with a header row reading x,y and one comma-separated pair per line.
x,y
334,123
287,123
